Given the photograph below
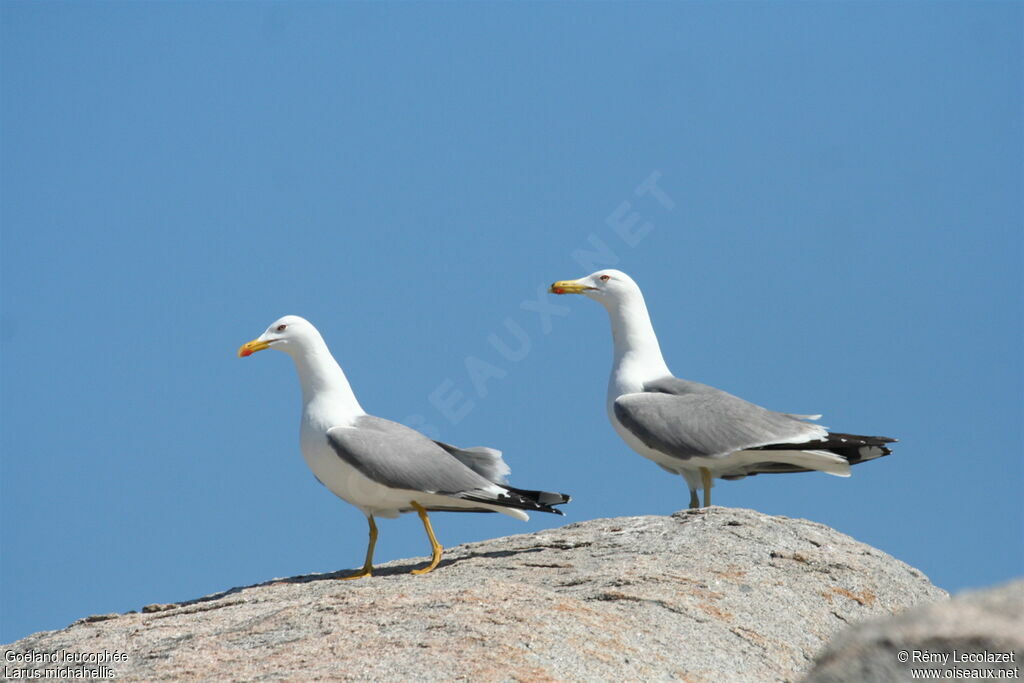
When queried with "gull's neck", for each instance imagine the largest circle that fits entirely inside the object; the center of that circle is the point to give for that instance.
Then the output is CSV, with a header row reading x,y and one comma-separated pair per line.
x,y
638,356
324,384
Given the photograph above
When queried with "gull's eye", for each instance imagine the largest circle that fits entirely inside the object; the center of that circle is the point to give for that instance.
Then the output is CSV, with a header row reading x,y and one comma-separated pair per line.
x,y
281,328
606,278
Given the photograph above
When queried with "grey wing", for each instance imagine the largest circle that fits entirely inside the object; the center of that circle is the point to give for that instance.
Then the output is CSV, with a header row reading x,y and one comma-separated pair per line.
x,y
400,457
487,462
688,419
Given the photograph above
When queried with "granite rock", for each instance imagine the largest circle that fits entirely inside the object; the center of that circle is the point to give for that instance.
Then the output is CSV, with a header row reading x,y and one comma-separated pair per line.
x,y
719,594
977,634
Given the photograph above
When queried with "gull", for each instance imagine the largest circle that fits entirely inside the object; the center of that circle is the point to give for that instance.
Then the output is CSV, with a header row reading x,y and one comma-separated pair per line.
x,y
385,468
695,430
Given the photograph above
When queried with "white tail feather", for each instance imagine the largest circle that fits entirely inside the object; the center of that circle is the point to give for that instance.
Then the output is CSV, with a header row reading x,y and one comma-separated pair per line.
x,y
822,461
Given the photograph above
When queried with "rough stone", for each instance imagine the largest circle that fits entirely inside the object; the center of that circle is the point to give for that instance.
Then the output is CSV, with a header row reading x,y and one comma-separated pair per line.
x,y
707,595
967,636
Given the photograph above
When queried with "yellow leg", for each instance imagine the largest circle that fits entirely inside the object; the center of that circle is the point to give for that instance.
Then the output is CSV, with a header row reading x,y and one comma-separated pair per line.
x,y
367,569
705,474
694,499
434,545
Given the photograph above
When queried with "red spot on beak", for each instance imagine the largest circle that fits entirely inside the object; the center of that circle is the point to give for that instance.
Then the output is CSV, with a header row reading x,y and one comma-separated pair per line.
x,y
245,352
559,290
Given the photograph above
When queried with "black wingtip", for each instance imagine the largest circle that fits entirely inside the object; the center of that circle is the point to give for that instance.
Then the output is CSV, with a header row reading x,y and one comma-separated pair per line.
x,y
525,499
542,499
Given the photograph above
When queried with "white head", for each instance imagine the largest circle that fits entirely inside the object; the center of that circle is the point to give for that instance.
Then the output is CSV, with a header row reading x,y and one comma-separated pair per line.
x,y
289,334
609,287
637,353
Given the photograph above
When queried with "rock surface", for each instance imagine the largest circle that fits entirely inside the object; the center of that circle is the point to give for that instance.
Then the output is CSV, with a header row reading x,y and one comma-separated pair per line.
x,y
952,635
708,595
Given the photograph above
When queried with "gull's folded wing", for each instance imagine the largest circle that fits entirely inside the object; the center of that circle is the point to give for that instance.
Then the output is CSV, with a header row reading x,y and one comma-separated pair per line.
x,y
399,457
688,419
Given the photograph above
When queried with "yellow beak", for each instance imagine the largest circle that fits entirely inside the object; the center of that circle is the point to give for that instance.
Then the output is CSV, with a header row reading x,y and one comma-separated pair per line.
x,y
568,287
249,348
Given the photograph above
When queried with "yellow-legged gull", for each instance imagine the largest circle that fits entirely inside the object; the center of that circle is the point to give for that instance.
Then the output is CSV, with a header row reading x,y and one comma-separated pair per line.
x,y
695,430
382,467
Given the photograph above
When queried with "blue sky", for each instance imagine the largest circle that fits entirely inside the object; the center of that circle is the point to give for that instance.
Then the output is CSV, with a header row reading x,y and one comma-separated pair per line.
x,y
844,237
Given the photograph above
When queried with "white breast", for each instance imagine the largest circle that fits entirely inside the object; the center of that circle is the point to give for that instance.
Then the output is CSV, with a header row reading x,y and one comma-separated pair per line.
x,y
338,476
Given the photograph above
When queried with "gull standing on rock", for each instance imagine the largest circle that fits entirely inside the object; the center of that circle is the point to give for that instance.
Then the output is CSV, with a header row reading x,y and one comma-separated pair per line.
x,y
695,430
382,467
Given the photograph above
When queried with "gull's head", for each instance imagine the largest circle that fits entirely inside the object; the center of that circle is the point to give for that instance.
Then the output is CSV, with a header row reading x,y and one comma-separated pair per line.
x,y
606,286
284,334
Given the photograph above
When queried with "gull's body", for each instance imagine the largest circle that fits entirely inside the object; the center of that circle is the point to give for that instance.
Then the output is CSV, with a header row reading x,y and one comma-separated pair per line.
x,y
694,430
382,467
